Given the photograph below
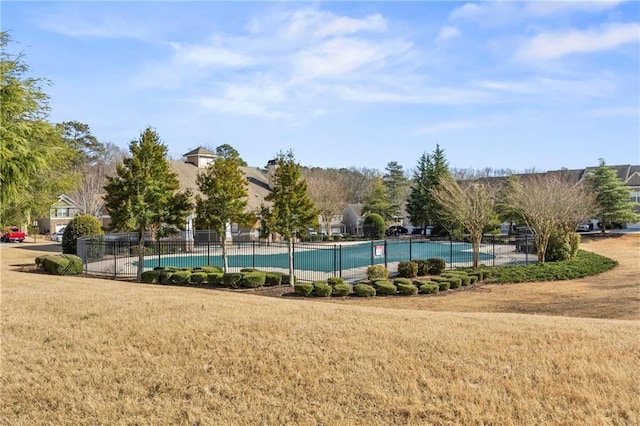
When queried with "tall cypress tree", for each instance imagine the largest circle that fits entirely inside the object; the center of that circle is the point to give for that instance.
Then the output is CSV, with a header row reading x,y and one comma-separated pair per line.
x,y
430,169
378,201
145,195
292,210
396,184
612,196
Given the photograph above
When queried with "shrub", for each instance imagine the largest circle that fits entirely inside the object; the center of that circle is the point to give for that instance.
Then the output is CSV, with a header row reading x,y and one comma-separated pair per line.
x,y
377,271
402,281
408,269
333,281
287,279
464,278
135,250
210,269
429,288
408,289
322,289
151,277
180,277
253,279
80,226
341,290
455,282
423,267
373,226
65,264
439,279
443,286
364,290
436,266
272,278
574,244
214,278
165,277
40,261
198,277
384,287
558,247
303,289
478,274
473,279
231,279
249,270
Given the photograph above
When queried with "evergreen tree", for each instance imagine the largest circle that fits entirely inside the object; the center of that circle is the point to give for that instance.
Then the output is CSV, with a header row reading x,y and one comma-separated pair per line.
x,y
225,189
292,210
430,169
226,151
145,195
34,160
612,196
78,136
378,201
395,183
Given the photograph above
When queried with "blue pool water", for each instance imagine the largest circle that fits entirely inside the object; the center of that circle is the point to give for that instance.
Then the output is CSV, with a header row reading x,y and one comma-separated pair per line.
x,y
328,258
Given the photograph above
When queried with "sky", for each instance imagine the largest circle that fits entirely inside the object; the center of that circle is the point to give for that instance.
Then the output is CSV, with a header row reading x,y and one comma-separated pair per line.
x,y
515,85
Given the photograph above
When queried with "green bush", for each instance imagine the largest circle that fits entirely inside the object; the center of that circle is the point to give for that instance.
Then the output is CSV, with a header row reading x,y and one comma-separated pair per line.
x,y
408,289
558,247
198,277
249,270
443,285
377,271
333,281
373,226
287,279
574,244
180,277
40,260
81,226
341,290
465,279
253,279
165,276
272,278
364,290
63,264
135,250
436,266
478,274
473,279
439,279
303,289
423,267
151,277
585,264
402,281
215,278
231,279
322,289
429,288
384,287
211,269
455,282
408,269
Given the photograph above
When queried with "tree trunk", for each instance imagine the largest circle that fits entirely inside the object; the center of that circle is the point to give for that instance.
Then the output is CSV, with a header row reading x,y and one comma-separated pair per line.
x,y
475,241
291,271
223,246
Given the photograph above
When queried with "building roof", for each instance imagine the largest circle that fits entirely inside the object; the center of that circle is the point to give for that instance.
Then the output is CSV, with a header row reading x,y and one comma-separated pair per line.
x,y
200,151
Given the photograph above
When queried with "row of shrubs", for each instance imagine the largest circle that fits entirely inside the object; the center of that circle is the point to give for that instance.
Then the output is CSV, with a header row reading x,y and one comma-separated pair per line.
x,y
213,275
404,286
412,269
60,264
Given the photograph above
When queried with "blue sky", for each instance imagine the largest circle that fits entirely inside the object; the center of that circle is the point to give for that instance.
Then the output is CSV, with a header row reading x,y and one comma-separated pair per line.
x,y
497,84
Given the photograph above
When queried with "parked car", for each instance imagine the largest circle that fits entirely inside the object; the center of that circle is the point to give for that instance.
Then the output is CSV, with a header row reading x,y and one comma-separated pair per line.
x,y
57,236
396,230
312,232
13,234
583,227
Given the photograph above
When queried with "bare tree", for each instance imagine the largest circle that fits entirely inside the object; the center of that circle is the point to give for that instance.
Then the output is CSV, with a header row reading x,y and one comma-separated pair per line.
x,y
548,202
470,204
327,193
576,204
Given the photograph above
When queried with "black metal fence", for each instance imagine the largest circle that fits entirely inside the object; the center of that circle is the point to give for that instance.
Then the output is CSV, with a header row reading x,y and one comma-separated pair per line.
x,y
118,256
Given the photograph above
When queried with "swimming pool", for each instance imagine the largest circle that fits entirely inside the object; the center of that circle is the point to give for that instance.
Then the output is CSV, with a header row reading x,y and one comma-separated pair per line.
x,y
326,258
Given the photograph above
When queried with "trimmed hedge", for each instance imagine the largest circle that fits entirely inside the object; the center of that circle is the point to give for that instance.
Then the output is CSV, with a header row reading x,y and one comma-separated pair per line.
x,y
214,278
253,279
198,277
455,282
303,289
62,264
407,289
423,267
333,281
376,272
443,285
384,287
180,277
341,290
436,266
210,269
232,279
165,276
322,289
429,288
402,281
272,278
364,290
151,277
286,279
408,269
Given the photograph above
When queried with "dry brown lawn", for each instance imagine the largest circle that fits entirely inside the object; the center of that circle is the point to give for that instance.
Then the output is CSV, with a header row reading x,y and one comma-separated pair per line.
x,y
87,351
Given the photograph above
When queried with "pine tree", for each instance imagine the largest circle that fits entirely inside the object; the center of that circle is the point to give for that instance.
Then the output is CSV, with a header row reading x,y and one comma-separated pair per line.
x,y
395,183
292,210
225,189
145,195
378,201
612,196
420,205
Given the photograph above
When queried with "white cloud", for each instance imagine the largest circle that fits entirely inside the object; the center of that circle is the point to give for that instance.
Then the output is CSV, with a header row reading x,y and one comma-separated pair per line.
x,y
310,22
208,56
551,87
447,33
493,13
559,44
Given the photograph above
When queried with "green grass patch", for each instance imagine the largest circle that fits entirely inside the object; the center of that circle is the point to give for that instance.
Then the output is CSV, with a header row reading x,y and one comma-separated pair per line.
x,y
584,265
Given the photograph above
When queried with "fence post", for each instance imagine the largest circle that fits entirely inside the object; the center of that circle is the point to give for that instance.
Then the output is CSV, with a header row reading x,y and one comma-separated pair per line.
x,y
450,251
253,254
371,251
159,253
526,248
335,261
410,249
209,251
493,240
385,252
340,253
115,260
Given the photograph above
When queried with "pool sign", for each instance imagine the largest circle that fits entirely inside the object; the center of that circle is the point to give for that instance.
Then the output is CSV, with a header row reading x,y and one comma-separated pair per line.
x,y
378,251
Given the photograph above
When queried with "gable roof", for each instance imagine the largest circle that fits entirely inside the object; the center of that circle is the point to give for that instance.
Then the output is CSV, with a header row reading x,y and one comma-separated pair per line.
x,y
200,151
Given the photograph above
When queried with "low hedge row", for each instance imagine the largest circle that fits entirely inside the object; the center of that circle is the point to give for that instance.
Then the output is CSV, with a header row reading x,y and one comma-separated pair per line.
x,y
60,264
212,275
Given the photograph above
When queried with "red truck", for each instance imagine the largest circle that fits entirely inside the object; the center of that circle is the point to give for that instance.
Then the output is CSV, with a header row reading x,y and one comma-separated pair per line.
x,y
13,234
